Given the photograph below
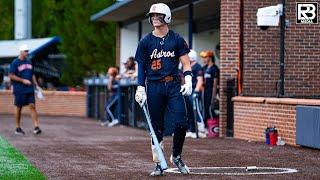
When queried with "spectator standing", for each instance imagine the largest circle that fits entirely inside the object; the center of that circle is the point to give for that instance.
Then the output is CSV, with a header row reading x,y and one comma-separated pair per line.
x,y
23,81
197,85
211,81
112,99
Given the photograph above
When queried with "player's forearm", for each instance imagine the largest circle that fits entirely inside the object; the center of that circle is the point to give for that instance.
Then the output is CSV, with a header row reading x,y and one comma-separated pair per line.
x,y
15,78
199,84
110,80
214,90
35,81
185,61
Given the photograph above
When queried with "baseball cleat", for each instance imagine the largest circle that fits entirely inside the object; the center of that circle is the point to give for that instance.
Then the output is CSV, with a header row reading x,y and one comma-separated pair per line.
x,y
158,171
19,131
180,165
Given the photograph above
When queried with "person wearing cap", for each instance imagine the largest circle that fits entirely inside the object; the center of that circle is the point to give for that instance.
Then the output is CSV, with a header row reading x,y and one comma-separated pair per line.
x,y
23,81
211,81
197,85
159,88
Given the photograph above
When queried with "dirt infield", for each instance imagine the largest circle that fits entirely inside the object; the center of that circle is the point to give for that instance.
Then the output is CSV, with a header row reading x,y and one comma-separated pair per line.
x,y
79,148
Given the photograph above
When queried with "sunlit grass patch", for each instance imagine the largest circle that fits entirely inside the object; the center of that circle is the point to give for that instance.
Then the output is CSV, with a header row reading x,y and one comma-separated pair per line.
x,y
13,165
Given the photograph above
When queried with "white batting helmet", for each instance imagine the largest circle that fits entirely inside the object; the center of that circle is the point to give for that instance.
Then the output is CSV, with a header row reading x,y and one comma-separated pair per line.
x,y
193,55
161,8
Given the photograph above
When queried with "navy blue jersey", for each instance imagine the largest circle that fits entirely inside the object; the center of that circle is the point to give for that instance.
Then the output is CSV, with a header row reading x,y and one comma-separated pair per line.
x,y
196,71
209,74
24,70
160,56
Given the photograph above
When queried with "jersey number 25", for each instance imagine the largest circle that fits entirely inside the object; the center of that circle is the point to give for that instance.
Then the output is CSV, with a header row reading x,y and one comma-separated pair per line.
x,y
156,65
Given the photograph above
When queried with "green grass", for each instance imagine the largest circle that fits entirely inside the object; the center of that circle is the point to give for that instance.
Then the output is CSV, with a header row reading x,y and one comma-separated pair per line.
x,y
13,165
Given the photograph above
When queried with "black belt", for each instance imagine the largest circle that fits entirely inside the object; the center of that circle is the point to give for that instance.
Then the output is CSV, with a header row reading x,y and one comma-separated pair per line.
x,y
167,79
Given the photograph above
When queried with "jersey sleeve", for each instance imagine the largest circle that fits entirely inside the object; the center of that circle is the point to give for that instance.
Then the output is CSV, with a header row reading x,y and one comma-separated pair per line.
x,y
13,68
141,58
198,71
182,47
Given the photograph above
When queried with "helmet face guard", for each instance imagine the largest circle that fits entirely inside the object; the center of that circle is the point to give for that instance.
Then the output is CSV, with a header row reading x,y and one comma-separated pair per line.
x,y
160,17
160,8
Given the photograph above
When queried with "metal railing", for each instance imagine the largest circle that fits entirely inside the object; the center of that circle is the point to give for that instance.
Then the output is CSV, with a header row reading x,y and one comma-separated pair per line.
x,y
129,112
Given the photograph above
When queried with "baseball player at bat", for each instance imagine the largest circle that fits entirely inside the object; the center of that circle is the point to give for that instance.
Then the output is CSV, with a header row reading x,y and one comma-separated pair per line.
x,y
158,56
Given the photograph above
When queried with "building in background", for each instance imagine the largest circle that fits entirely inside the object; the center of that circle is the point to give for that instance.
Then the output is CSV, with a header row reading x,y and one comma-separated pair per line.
x,y
271,72
197,22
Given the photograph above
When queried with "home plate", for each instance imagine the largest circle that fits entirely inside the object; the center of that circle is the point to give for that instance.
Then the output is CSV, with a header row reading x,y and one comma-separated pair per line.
x,y
236,171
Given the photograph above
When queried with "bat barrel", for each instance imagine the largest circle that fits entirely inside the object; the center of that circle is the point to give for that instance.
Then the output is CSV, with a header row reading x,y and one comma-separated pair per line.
x,y
163,162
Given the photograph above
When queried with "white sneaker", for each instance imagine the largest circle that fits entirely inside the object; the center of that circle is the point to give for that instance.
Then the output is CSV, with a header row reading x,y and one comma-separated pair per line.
x,y
193,135
105,123
113,123
188,134
201,127
202,135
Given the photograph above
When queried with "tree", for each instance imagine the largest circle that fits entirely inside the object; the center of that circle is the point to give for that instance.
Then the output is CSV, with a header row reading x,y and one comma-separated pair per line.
x,y
6,10
89,46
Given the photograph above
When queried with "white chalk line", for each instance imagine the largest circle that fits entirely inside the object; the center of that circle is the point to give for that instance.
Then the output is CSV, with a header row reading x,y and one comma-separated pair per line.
x,y
280,171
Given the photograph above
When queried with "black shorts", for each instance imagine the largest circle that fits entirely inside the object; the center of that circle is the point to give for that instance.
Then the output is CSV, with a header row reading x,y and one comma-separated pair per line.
x,y
24,99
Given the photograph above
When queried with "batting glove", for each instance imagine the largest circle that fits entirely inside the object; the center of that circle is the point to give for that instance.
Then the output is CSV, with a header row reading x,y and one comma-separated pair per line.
x,y
141,96
186,89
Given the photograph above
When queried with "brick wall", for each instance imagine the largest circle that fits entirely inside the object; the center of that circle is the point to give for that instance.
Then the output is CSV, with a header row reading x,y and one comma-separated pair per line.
x,y
253,114
56,103
229,50
261,54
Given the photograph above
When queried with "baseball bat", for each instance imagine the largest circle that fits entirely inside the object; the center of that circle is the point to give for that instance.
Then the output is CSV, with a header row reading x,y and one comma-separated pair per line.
x,y
201,126
163,162
195,116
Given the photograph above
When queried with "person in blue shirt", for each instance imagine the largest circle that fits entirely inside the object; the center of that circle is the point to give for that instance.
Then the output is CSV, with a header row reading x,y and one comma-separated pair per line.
x,y
23,81
197,86
211,82
158,55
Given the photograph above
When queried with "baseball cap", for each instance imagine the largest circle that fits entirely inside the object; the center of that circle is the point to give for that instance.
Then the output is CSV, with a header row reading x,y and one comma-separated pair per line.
x,y
23,47
206,53
192,55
